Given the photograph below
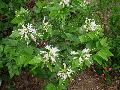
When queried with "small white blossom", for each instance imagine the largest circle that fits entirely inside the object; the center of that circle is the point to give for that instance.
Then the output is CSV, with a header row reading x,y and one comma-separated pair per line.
x,y
86,53
73,53
90,25
93,26
54,51
87,56
46,25
48,47
80,60
30,28
42,52
65,2
87,1
69,72
64,65
53,59
62,75
51,53
86,50
75,57
33,37
46,56
26,31
65,73
23,31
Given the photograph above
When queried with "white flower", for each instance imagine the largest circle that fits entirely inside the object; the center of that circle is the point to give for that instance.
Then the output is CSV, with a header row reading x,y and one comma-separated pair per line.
x,y
86,50
30,28
87,56
80,60
62,75
93,26
26,31
65,74
64,65
87,1
42,52
54,51
69,72
23,30
75,57
51,54
86,53
90,25
65,2
73,53
48,47
53,59
46,56
33,37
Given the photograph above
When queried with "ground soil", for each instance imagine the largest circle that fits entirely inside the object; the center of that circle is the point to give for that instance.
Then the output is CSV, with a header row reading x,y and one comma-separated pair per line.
x,y
88,81
84,81
24,82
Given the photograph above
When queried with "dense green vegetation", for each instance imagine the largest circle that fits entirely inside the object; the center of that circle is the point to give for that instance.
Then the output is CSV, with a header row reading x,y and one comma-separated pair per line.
x,y
56,39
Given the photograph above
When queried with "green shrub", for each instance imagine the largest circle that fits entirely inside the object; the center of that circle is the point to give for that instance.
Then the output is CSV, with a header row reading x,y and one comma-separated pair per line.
x,y
55,39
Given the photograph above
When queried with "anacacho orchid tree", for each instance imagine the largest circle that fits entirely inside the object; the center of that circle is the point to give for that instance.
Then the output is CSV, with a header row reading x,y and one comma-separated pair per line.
x,y
75,40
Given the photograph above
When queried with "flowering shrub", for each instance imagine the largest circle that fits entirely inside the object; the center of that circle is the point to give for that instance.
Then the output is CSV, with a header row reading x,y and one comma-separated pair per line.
x,y
59,37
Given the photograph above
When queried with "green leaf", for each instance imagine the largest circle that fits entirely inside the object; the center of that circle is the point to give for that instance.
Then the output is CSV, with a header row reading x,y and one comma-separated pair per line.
x,y
105,53
87,63
75,63
2,4
98,59
50,86
18,20
72,37
39,4
1,49
91,45
15,34
21,60
10,42
29,50
104,42
13,69
84,38
35,60
22,11
92,35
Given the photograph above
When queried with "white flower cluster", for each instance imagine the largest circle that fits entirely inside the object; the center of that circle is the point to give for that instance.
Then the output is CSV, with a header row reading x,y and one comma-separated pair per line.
x,y
65,73
74,53
64,2
85,2
85,55
46,24
26,31
90,25
50,54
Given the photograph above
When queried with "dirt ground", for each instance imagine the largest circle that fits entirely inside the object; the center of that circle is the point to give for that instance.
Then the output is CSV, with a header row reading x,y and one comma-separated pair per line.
x,y
84,81
88,81
24,82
